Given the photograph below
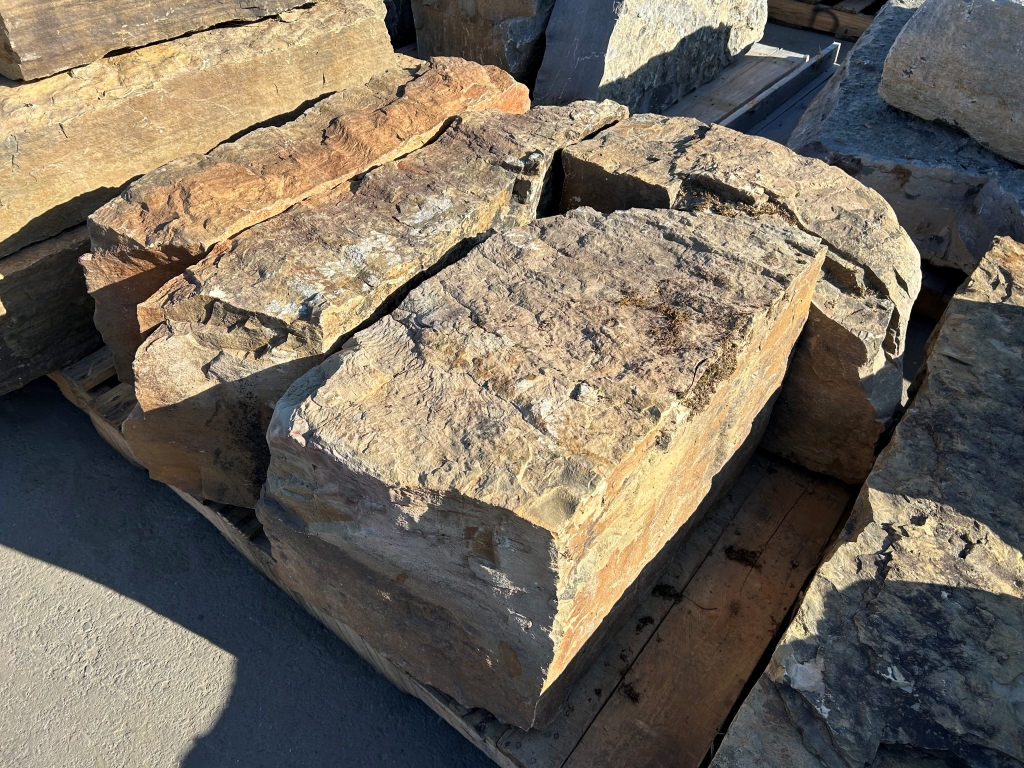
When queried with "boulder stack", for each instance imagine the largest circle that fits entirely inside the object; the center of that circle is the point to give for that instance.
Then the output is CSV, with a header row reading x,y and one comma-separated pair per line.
x,y
846,380
473,482
235,330
71,142
171,218
907,648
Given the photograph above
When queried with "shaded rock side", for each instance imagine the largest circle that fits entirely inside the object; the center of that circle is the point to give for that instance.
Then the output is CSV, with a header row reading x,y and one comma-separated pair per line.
x,y
70,143
474,481
508,33
41,37
961,63
45,313
400,23
266,306
950,194
907,649
170,218
640,53
846,379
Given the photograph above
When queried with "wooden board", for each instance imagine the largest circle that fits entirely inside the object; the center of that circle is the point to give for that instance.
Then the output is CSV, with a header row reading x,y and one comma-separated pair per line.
x,y
663,687
822,18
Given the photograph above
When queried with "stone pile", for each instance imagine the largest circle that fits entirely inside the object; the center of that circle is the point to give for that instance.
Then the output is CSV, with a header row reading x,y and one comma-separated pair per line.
x,y
473,482
907,649
73,141
640,53
237,328
951,194
845,385
173,217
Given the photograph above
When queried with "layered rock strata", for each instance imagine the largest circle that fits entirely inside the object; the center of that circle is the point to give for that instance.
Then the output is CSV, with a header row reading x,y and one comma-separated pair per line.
x,y
961,63
45,313
41,37
171,218
846,380
71,142
640,53
950,194
509,35
235,330
907,648
473,482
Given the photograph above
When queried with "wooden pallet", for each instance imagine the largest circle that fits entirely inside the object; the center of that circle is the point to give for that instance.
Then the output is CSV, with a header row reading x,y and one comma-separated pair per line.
x,y
845,19
664,687
755,85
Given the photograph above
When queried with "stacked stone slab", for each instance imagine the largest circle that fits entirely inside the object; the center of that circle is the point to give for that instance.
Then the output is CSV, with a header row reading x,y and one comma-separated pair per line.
x,y
45,313
71,142
41,37
171,218
473,482
507,34
907,648
961,63
235,330
642,53
845,383
950,194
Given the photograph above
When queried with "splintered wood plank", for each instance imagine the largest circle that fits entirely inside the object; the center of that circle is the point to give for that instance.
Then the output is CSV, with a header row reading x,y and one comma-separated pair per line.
x,y
740,82
677,695
841,24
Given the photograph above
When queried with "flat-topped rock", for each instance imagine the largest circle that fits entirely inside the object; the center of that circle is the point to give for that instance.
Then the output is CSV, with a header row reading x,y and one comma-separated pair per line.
x,y
509,35
267,305
474,481
645,54
71,142
950,194
961,63
907,649
845,383
45,313
170,218
41,37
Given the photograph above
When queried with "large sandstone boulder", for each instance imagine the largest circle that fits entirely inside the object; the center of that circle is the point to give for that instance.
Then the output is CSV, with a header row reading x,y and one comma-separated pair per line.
x,y
45,313
846,380
264,307
41,37
70,142
171,218
962,63
473,482
907,649
509,35
645,54
950,194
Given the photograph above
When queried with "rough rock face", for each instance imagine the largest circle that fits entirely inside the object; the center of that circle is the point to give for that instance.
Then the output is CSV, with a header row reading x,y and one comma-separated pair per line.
x,y
846,380
45,313
961,63
907,649
29,47
950,194
171,218
71,142
508,34
266,306
505,452
640,53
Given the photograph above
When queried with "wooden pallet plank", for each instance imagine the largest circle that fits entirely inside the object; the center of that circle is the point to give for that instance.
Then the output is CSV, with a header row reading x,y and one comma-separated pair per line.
x,y
822,18
738,83
766,102
677,695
